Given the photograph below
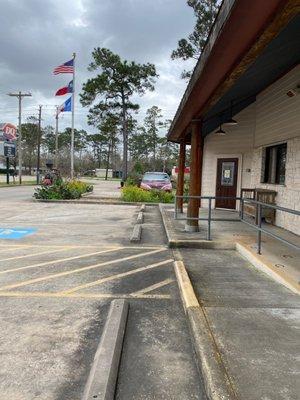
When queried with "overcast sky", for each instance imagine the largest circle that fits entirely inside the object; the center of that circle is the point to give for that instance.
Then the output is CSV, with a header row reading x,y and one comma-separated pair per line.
x,y
37,35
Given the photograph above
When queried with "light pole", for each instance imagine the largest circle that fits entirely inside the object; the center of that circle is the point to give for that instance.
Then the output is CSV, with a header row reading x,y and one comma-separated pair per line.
x,y
20,96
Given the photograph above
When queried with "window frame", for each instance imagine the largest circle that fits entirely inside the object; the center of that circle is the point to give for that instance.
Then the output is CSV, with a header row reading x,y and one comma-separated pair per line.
x,y
271,161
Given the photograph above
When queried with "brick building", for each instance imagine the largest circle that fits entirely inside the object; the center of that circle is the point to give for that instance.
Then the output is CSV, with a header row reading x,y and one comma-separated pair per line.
x,y
241,109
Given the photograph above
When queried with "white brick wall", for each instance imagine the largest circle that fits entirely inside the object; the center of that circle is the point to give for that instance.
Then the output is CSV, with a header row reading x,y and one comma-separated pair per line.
x,y
288,195
273,118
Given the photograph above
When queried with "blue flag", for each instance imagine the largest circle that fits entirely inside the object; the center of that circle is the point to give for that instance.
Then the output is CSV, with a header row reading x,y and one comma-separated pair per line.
x,y
66,106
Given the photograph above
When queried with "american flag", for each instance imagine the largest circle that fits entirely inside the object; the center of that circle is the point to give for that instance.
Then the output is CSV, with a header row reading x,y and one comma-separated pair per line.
x,y
66,68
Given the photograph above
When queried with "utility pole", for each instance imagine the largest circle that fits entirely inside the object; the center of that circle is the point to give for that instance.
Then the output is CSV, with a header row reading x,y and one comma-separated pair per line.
x,y
39,147
20,96
56,137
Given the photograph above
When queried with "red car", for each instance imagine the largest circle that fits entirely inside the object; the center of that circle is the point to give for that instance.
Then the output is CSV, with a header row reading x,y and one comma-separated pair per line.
x,y
156,180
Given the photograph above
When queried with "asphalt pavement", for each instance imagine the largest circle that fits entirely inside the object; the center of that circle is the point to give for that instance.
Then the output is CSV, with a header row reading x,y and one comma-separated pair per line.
x,y
15,193
56,284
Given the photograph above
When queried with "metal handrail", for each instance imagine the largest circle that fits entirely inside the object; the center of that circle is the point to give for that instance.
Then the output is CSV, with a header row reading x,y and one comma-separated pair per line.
x,y
242,200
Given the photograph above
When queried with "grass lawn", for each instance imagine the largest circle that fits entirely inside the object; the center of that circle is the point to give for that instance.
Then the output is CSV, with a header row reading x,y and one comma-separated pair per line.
x,y
24,183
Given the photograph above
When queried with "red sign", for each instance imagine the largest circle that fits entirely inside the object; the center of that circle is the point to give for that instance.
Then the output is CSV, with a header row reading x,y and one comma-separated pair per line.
x,y
9,131
186,170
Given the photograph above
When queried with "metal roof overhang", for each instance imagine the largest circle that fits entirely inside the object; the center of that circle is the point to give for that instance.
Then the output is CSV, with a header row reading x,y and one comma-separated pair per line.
x,y
232,69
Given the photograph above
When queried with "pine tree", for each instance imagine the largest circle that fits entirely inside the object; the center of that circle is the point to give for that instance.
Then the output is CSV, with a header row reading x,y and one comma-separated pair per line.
x,y
205,12
112,89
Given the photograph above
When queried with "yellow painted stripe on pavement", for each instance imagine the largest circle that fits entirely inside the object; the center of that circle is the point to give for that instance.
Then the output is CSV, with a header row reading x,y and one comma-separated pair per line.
x,y
60,260
153,287
116,276
53,276
35,254
82,295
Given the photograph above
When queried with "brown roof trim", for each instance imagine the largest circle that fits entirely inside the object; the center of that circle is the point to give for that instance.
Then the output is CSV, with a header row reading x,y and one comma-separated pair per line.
x,y
234,43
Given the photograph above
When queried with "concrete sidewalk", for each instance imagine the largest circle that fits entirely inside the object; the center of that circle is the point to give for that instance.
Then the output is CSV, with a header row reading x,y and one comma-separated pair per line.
x,y
280,261
254,323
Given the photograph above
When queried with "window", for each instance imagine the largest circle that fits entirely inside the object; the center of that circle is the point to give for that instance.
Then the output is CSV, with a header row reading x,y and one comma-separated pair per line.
x,y
227,177
274,164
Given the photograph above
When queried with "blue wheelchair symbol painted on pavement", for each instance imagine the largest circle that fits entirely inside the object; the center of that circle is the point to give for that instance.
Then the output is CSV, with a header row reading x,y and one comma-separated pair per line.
x,y
15,233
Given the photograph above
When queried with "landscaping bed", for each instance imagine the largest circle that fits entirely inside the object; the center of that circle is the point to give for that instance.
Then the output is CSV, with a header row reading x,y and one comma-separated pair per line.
x,y
63,190
137,195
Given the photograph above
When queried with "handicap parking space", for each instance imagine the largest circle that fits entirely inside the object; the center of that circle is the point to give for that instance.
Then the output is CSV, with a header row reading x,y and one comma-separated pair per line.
x,y
15,232
68,224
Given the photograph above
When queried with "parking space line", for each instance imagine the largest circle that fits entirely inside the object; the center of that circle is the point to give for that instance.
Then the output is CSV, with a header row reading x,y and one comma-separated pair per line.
x,y
117,276
153,287
36,254
53,276
60,260
82,295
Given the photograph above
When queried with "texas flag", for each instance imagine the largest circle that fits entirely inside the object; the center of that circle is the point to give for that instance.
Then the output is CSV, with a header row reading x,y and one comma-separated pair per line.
x,y
66,106
65,89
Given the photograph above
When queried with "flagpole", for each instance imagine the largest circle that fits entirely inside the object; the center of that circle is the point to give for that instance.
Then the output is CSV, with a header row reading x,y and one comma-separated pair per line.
x,y
73,109
56,137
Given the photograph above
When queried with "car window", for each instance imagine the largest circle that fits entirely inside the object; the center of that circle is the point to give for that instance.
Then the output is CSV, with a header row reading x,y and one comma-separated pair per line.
x,y
156,177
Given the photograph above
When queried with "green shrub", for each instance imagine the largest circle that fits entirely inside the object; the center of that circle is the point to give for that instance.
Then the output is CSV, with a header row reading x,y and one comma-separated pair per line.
x,y
61,190
134,179
79,186
135,194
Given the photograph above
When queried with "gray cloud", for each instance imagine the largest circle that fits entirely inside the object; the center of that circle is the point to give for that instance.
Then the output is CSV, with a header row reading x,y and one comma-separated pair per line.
x,y
37,35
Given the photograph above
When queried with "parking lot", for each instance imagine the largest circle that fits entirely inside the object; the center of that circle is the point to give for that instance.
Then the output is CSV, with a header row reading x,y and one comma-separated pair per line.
x,y
56,284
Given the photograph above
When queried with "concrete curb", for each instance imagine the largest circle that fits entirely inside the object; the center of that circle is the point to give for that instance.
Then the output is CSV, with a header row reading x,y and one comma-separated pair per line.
x,y
102,379
164,220
136,233
140,218
202,244
91,201
217,382
262,265
87,194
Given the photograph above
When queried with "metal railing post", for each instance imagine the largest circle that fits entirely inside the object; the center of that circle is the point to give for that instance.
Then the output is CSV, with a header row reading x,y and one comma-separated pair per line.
x,y
242,208
209,220
259,230
258,217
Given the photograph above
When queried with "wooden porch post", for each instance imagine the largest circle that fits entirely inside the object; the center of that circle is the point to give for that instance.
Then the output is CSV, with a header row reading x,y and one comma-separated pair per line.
x,y
180,176
195,177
